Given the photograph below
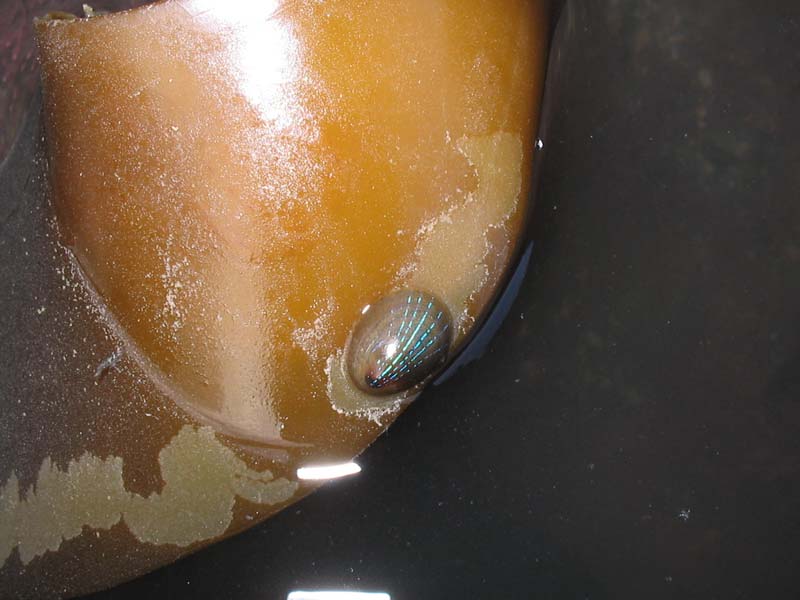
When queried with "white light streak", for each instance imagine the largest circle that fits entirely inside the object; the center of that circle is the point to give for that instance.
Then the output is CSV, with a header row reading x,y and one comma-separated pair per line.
x,y
328,471
300,595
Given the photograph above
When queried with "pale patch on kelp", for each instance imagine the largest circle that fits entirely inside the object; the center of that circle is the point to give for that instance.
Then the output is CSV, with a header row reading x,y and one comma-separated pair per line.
x,y
202,480
452,257
453,252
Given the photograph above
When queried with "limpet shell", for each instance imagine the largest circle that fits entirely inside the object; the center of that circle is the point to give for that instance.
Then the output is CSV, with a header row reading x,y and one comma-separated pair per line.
x,y
399,342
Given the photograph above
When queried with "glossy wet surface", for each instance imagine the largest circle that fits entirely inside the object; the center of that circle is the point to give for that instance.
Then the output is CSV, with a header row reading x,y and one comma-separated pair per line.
x,y
239,182
104,475
633,431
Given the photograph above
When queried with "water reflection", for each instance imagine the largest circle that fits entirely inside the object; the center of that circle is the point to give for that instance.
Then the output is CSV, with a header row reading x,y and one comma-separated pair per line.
x,y
338,595
323,472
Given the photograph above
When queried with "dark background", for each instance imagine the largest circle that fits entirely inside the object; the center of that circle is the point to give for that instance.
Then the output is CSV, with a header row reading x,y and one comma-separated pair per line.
x,y
634,429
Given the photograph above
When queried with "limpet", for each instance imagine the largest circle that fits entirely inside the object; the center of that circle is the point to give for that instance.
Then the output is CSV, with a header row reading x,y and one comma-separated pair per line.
x,y
399,342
